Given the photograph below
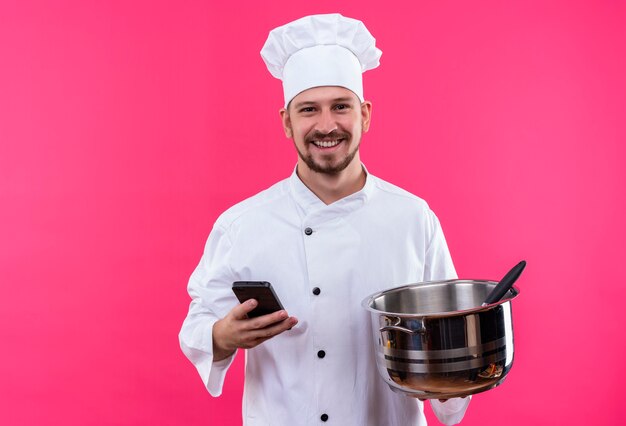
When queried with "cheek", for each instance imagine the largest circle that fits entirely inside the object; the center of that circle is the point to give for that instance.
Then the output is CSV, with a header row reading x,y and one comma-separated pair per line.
x,y
353,124
354,127
306,130
299,126
299,136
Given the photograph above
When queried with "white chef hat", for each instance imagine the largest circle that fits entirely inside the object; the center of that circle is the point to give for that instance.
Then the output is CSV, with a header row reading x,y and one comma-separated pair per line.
x,y
320,50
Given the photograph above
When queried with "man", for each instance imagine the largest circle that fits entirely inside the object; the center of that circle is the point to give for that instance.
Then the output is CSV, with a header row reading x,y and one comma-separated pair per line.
x,y
326,237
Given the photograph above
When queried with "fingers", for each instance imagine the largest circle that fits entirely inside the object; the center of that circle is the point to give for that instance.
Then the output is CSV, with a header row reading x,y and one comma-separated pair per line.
x,y
274,329
266,320
240,312
254,336
440,400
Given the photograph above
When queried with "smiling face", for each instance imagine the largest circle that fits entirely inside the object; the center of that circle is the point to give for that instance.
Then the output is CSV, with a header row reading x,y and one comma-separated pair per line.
x,y
326,125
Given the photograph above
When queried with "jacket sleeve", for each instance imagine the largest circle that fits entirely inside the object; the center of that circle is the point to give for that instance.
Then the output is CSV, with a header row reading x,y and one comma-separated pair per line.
x,y
211,299
450,412
439,266
438,262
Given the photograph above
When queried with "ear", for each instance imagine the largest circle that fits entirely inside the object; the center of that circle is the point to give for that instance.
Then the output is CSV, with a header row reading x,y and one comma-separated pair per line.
x,y
366,115
284,116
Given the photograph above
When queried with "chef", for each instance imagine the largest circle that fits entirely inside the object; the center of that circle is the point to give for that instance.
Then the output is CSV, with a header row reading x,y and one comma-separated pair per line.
x,y
325,238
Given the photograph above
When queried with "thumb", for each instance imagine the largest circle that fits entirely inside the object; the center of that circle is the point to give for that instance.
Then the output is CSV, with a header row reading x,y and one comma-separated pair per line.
x,y
240,311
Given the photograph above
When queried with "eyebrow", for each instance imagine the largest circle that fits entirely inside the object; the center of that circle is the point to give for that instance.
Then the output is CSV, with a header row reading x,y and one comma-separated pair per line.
x,y
346,99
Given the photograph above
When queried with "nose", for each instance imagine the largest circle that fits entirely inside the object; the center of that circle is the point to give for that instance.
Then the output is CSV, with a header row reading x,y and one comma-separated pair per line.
x,y
326,122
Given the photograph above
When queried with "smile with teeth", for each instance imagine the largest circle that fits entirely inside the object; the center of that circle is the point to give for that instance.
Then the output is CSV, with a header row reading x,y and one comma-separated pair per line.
x,y
326,144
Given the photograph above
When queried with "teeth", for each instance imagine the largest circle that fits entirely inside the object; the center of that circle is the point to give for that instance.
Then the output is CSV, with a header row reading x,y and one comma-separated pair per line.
x,y
326,144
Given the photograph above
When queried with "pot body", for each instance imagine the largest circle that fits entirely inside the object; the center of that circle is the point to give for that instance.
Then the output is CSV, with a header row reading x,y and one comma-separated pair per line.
x,y
435,340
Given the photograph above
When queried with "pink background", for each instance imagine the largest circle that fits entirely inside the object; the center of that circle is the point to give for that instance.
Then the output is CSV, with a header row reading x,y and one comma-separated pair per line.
x,y
127,127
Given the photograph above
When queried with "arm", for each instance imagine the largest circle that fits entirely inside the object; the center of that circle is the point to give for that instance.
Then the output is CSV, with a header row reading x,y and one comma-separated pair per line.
x,y
216,325
439,266
209,288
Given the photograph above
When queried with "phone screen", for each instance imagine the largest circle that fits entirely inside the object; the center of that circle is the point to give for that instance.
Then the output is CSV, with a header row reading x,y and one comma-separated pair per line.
x,y
262,292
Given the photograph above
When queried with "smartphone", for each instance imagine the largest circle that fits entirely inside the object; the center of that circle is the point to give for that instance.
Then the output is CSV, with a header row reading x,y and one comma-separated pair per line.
x,y
262,292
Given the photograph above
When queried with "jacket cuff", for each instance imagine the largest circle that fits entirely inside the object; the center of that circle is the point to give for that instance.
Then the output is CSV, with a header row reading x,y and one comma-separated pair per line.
x,y
450,412
217,374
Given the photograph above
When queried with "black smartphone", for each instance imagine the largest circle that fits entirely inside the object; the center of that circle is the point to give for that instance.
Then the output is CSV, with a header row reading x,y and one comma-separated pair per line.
x,y
262,292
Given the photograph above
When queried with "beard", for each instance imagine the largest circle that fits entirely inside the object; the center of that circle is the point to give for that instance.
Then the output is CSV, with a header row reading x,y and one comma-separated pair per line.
x,y
328,166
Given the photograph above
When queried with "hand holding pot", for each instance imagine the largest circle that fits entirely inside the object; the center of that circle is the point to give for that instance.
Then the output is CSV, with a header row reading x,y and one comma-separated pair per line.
x,y
441,400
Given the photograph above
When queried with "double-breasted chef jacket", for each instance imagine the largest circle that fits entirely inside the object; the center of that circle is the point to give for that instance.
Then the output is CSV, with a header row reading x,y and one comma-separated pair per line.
x,y
322,261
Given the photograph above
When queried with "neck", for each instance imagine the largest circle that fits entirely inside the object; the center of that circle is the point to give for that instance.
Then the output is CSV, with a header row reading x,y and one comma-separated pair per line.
x,y
333,187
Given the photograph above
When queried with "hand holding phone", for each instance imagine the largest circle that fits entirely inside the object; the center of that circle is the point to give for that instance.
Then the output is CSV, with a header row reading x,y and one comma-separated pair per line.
x,y
230,332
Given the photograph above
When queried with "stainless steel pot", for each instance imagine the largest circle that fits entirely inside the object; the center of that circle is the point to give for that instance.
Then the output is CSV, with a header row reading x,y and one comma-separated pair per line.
x,y
435,340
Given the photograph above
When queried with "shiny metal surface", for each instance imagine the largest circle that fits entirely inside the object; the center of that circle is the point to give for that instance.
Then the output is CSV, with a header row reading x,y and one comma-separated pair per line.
x,y
435,340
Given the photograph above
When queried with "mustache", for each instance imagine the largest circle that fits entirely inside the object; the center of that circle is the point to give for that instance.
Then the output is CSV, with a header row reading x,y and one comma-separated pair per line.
x,y
317,135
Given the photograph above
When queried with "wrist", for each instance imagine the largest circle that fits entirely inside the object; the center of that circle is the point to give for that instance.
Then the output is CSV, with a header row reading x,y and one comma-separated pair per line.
x,y
221,349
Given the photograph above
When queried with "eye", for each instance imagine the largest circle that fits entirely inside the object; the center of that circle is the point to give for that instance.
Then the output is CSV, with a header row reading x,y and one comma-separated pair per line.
x,y
306,109
341,107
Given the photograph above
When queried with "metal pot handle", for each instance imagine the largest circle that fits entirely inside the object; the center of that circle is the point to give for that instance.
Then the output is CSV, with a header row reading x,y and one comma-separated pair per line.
x,y
420,330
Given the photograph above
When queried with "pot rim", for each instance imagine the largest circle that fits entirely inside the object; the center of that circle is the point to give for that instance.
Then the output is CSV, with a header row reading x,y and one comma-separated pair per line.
x,y
510,295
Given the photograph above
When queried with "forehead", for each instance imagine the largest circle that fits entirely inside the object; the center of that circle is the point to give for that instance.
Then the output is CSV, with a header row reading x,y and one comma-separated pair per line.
x,y
324,94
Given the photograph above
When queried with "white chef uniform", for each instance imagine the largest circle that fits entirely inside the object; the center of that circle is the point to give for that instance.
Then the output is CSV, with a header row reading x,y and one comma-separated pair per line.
x,y
324,367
